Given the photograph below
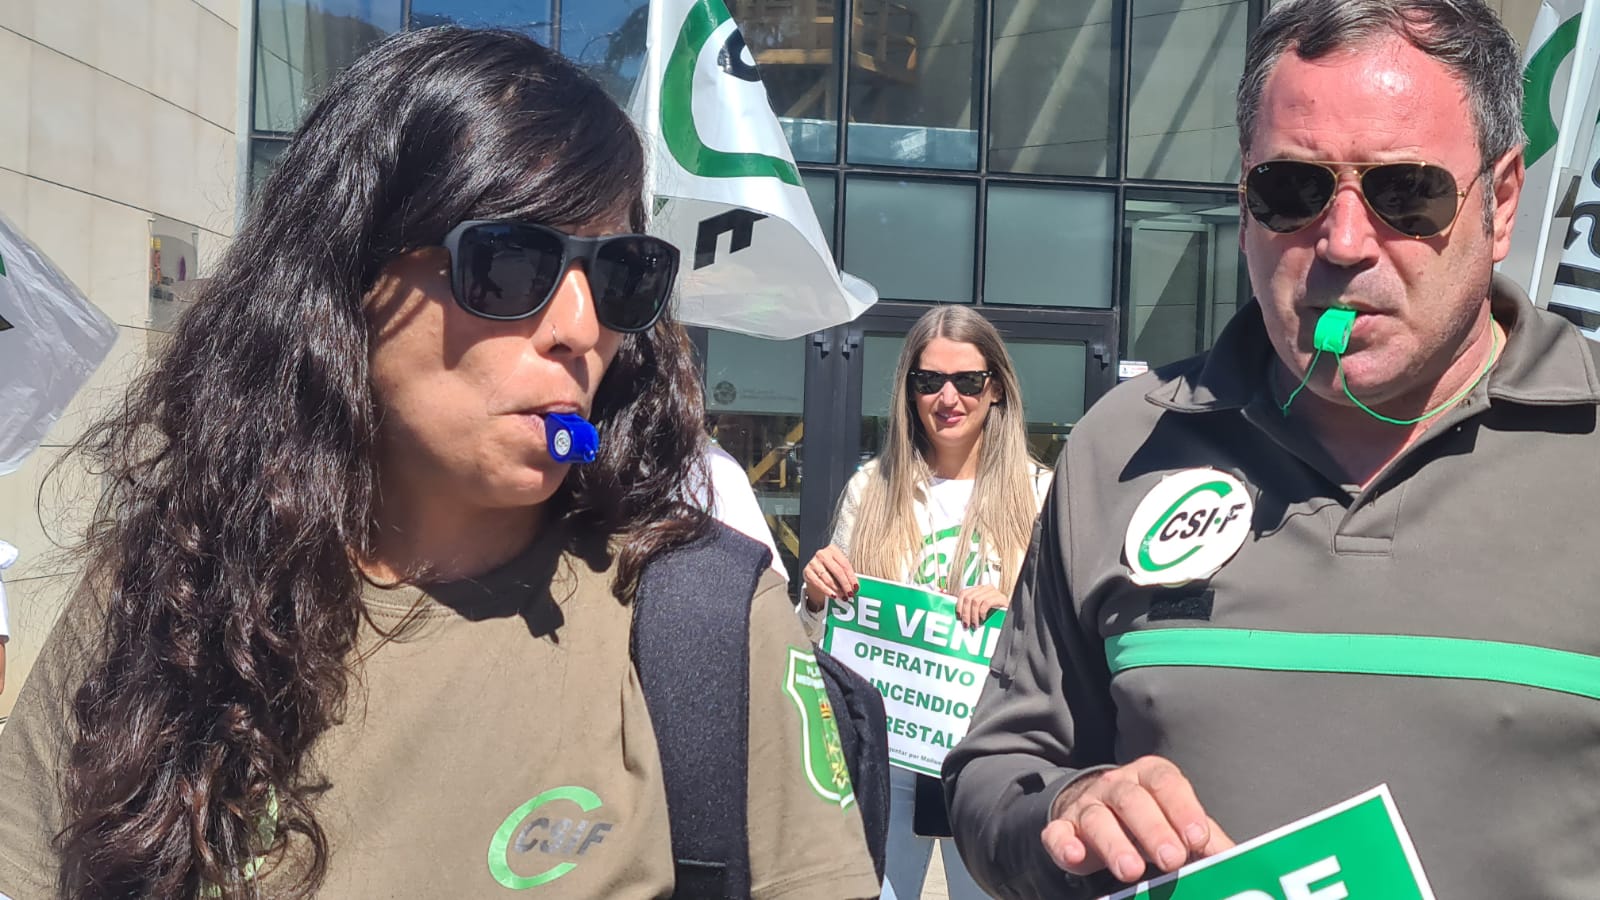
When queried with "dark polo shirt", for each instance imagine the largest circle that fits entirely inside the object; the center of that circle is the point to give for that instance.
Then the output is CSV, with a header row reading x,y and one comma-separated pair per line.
x,y
1479,534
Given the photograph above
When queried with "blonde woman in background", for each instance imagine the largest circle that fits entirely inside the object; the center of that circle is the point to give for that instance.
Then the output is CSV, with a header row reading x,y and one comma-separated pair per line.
x,y
949,504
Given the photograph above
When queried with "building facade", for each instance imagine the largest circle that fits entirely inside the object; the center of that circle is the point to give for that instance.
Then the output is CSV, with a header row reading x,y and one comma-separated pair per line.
x,y
1067,168
120,159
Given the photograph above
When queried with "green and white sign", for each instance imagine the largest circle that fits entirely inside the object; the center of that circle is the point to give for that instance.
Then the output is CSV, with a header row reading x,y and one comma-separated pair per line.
x,y
1357,850
929,667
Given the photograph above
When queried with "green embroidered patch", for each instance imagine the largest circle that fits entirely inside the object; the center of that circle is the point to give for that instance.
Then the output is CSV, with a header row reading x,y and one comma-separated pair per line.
x,y
822,751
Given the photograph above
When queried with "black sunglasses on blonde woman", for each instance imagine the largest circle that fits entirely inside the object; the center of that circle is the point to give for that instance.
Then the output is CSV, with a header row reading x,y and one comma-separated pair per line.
x,y
968,384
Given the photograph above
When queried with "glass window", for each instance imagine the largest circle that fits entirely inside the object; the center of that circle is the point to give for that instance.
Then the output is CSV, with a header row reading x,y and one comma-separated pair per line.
x,y
913,91
606,38
1054,87
913,240
819,187
793,43
754,402
1053,388
300,44
263,154
1049,246
1185,275
531,17
880,353
1186,57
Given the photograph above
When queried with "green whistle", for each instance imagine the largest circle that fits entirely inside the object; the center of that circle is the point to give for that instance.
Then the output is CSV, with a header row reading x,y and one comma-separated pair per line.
x,y
1333,330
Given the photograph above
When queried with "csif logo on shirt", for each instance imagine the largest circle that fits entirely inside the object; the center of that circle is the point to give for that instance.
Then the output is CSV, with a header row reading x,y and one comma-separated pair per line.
x,y
1188,525
555,830
939,549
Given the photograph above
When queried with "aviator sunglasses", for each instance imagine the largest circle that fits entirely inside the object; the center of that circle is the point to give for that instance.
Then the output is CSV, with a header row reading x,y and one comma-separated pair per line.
x,y
510,270
1419,200
968,384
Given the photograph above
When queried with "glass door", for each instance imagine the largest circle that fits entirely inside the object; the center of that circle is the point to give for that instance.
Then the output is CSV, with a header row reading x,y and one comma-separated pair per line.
x,y
754,407
1189,278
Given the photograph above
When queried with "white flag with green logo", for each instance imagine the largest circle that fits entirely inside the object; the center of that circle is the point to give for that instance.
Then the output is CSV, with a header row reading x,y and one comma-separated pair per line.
x,y
1559,108
51,340
725,188
1577,282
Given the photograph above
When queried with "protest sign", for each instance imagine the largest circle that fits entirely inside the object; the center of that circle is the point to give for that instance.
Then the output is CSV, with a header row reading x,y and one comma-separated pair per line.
x,y
929,667
1357,849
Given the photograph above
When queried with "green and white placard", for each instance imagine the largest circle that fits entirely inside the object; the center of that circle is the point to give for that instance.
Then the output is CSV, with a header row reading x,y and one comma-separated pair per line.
x,y
929,667
1358,850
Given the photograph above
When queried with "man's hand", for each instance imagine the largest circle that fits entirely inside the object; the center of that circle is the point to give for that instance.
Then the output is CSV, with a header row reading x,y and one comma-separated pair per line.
x,y
974,604
1119,818
829,574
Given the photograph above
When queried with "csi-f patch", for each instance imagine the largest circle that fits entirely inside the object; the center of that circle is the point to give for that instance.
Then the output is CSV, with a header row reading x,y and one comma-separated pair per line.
x,y
821,749
548,837
1187,527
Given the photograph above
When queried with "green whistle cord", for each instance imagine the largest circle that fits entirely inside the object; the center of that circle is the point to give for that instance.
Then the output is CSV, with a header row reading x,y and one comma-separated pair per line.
x,y
1494,352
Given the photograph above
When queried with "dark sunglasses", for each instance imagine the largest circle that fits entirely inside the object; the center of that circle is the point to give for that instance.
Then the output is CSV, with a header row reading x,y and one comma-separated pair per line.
x,y
1418,200
968,384
510,270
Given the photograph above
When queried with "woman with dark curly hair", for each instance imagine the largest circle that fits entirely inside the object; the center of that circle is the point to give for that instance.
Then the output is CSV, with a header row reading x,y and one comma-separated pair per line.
x,y
349,627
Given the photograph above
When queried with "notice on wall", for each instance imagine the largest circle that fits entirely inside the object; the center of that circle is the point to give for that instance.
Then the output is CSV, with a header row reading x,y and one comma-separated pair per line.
x,y
1356,849
929,667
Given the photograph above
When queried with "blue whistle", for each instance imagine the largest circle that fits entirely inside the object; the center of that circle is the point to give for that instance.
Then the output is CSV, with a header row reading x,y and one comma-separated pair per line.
x,y
571,438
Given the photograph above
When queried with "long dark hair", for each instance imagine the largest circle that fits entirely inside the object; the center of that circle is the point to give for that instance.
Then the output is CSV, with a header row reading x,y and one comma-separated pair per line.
x,y
240,472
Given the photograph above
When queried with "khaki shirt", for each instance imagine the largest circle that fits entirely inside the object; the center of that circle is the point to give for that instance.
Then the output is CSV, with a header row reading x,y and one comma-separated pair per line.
x,y
500,745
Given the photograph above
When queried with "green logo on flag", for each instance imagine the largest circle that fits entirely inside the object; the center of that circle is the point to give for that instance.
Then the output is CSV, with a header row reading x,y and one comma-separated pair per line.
x,y
820,744
1538,79
677,105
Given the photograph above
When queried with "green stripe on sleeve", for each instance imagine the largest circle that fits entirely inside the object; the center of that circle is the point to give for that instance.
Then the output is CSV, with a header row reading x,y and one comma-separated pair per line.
x,y
1358,654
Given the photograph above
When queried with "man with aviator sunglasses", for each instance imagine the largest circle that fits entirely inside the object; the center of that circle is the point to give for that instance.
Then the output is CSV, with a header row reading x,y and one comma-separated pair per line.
x,y
1344,547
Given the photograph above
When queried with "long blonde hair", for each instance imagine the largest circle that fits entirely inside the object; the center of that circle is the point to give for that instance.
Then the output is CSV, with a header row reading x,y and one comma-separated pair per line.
x,y
1003,505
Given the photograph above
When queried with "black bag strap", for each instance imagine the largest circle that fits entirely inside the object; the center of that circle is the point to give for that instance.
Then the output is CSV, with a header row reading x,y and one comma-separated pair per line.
x,y
866,738
691,646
